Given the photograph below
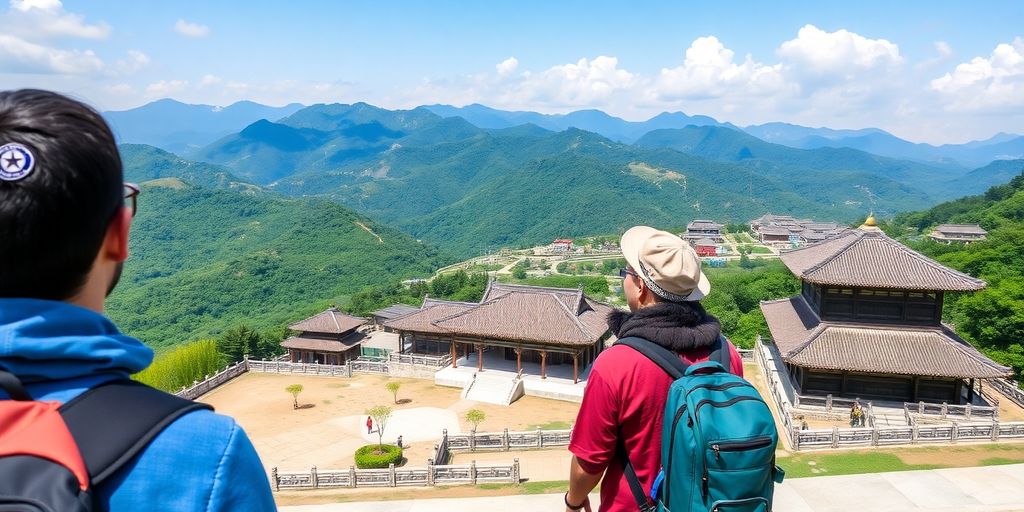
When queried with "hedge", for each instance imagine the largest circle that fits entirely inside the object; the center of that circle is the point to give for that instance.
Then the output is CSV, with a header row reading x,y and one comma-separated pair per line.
x,y
368,458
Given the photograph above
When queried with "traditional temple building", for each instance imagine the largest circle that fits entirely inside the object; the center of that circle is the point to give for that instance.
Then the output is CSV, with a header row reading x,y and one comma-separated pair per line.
x,y
868,323
700,228
964,233
512,322
331,337
706,247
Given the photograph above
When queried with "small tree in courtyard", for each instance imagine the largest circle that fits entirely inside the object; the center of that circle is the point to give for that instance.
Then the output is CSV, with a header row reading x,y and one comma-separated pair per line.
x,y
393,387
475,416
294,389
380,414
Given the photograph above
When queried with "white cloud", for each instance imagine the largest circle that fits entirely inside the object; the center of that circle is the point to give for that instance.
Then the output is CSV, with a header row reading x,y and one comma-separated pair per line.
x,y
586,82
165,88
507,66
210,80
820,57
35,19
709,71
943,49
190,29
986,84
20,56
132,63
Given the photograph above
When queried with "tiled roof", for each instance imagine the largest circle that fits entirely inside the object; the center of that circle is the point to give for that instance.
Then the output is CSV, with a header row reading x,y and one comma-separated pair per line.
x,y
774,230
331,321
704,224
971,229
395,311
872,259
323,345
804,340
706,241
557,316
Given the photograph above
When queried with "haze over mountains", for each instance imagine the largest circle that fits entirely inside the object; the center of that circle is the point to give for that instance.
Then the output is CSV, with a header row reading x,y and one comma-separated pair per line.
x,y
465,178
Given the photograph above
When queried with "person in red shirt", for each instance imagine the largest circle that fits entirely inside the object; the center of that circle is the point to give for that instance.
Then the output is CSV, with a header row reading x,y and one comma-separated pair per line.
x,y
624,401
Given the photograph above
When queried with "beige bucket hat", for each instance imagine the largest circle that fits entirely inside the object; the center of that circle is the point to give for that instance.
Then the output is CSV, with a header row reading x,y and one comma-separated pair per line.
x,y
666,263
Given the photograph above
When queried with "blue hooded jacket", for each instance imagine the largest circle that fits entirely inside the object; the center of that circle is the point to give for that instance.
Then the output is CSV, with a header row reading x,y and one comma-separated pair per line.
x,y
201,462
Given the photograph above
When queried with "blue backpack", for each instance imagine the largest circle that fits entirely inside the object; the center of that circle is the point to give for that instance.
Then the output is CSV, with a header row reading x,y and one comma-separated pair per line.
x,y
718,439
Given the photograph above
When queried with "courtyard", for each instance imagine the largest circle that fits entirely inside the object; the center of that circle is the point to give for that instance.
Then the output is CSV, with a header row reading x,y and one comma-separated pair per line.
x,y
331,421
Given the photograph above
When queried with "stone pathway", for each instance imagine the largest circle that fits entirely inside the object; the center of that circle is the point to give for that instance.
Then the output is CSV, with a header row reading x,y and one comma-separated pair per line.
x,y
982,489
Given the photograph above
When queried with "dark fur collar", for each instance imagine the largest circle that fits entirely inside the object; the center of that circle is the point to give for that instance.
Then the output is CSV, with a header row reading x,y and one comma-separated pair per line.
x,y
679,327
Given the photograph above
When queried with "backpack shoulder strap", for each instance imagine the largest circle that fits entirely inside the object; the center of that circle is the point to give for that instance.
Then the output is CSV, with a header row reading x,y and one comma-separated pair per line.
x,y
113,422
661,356
721,354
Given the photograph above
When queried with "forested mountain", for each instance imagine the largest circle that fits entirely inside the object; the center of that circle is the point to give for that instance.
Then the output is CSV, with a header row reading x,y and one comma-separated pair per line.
x,y
880,142
610,127
179,127
993,318
145,163
204,260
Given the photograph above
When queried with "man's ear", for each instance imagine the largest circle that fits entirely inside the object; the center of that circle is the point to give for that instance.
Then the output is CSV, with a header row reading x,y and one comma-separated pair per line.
x,y
115,243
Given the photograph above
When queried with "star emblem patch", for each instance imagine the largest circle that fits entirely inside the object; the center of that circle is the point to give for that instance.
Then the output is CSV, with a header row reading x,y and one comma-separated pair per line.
x,y
16,162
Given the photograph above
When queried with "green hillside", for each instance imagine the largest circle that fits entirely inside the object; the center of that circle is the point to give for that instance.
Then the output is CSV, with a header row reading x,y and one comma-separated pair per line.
x,y
204,260
993,318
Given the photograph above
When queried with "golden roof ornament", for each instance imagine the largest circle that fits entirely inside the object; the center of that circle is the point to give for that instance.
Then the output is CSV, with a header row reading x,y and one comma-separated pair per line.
x,y
870,224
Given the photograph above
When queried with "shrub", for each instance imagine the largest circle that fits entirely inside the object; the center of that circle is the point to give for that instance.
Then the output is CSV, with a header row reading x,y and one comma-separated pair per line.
x,y
181,366
374,456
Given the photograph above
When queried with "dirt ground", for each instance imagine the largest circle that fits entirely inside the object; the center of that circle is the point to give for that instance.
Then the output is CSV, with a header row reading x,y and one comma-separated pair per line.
x,y
331,425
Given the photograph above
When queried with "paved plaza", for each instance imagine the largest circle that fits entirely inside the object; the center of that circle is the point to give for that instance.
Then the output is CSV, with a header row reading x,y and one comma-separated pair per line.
x,y
978,489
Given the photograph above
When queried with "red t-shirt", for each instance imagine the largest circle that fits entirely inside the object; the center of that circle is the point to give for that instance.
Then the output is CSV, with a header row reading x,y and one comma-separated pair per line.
x,y
626,391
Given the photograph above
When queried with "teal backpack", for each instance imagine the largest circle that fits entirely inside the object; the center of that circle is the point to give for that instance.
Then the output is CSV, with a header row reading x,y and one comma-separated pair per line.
x,y
718,440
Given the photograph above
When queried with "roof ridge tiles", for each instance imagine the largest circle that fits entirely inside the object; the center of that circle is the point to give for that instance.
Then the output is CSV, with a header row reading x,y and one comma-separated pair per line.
x,y
572,316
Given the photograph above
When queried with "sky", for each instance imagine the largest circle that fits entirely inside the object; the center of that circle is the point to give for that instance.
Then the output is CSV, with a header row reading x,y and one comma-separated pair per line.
x,y
936,72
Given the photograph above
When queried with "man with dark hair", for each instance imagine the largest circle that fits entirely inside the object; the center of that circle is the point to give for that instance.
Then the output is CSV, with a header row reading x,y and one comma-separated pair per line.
x,y
624,401
65,215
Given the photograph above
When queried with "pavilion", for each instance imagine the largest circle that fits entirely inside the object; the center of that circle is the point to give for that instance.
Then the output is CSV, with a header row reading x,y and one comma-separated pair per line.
x,y
331,337
868,323
518,322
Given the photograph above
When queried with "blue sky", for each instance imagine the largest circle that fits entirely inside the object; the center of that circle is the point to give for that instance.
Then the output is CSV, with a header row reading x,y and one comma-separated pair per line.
x,y
927,71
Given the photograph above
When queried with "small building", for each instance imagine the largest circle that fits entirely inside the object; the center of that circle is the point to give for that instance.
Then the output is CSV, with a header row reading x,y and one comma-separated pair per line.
x,y
706,247
561,245
520,323
964,233
392,312
331,337
773,234
702,228
769,220
868,323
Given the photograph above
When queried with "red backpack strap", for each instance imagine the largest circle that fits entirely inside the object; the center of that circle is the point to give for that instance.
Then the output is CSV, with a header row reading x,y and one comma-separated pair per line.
x,y
115,421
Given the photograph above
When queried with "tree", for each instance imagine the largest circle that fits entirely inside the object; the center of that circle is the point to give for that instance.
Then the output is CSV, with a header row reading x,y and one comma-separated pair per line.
x,y
380,414
475,416
393,387
238,342
519,273
294,389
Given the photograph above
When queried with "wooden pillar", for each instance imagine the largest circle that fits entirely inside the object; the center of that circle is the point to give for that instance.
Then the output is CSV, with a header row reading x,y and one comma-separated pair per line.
x,y
479,357
842,386
455,354
913,393
575,368
970,391
519,359
543,364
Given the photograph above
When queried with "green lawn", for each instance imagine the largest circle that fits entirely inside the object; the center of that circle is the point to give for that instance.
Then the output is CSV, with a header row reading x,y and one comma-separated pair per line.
x,y
551,425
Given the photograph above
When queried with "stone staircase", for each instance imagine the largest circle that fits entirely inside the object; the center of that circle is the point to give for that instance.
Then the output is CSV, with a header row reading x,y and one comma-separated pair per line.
x,y
494,388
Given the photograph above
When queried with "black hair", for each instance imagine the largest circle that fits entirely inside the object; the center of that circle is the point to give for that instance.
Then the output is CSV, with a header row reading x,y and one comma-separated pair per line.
x,y
54,220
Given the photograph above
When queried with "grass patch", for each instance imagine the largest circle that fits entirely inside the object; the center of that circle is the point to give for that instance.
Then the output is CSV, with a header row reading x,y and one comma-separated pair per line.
x,y
849,463
327,402
999,461
551,425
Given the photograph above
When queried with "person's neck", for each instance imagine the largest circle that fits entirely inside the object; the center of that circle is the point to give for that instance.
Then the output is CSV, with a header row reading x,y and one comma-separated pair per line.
x,y
90,297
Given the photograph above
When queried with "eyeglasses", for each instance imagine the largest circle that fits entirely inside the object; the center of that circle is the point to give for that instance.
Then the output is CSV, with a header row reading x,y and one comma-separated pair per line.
x,y
131,192
623,272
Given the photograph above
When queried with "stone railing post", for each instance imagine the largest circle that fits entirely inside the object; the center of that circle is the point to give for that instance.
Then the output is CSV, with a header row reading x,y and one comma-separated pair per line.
x,y
954,432
920,407
967,411
472,440
874,436
945,409
274,479
504,440
540,438
245,362
313,479
835,437
995,430
352,476
392,477
348,370
472,472
430,472
515,471
828,402
914,433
